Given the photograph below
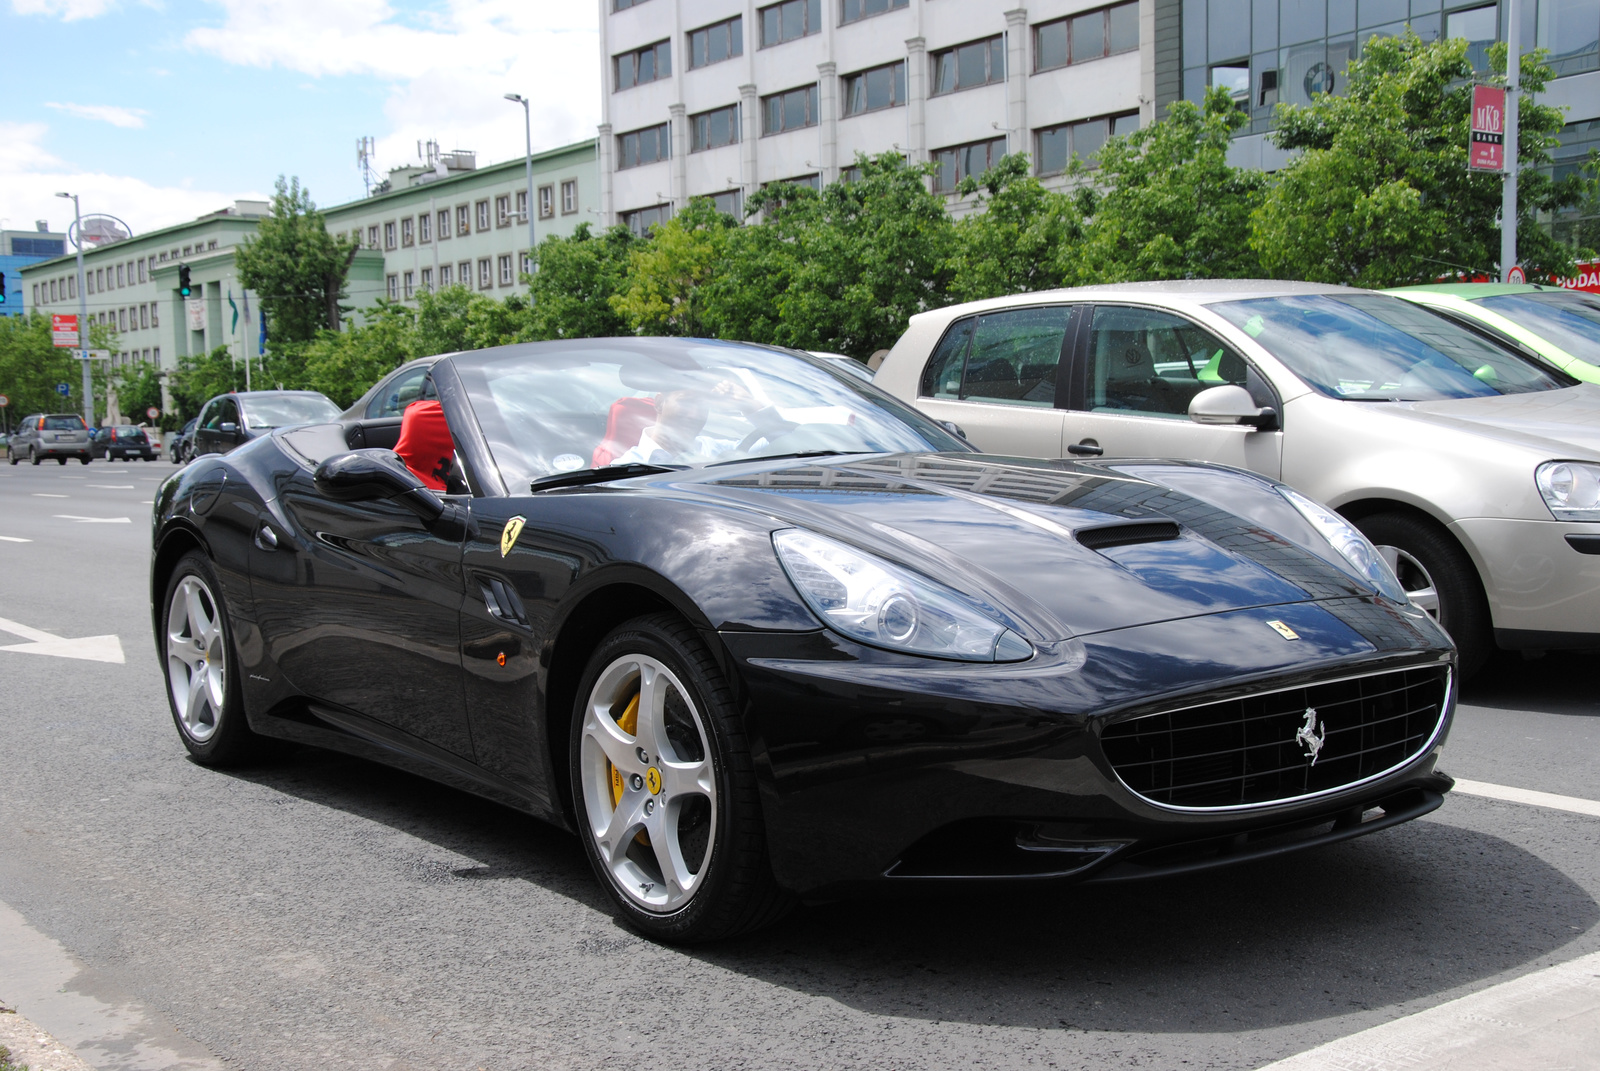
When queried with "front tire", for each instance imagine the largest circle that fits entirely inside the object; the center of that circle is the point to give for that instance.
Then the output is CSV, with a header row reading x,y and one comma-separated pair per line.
x,y
664,789
1439,578
203,687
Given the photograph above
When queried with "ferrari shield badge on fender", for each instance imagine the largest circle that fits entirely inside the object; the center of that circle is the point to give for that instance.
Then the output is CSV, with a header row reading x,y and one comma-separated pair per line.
x,y
1277,626
509,534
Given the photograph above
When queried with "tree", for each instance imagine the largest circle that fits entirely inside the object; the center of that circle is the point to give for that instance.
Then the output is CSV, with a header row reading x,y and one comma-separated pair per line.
x,y
31,366
201,377
576,278
1165,203
296,268
343,365
138,389
662,295
1018,239
1380,194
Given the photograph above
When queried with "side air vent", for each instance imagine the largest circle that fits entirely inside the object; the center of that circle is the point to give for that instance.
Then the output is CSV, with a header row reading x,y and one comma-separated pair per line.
x,y
1124,535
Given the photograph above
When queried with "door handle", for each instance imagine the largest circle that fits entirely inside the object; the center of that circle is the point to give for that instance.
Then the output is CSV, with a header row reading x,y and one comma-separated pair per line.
x,y
1087,448
266,538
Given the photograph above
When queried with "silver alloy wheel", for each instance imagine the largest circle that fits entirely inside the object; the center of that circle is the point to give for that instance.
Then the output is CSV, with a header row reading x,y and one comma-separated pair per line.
x,y
650,794
1416,581
197,659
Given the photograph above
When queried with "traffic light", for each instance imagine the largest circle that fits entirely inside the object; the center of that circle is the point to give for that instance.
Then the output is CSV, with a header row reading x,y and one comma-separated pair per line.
x,y
2,288
183,281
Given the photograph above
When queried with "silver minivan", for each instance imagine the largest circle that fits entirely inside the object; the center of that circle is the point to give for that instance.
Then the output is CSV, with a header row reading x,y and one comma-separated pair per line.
x,y
46,435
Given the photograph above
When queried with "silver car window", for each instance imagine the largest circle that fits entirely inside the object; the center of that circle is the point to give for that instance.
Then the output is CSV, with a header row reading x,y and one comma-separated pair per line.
x,y
1569,321
398,393
1015,354
1370,347
1151,362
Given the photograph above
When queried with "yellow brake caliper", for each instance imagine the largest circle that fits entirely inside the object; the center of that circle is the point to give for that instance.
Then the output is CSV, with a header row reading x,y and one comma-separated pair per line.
x,y
628,723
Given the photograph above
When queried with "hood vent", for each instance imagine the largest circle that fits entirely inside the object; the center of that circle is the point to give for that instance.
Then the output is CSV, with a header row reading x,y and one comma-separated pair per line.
x,y
1124,535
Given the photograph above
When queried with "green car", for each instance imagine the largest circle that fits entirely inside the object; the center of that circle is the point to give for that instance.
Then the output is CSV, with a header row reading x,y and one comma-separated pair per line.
x,y
1560,326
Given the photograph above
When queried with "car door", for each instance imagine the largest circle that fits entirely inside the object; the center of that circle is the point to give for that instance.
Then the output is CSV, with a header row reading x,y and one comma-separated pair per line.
x,y
996,375
1133,373
208,432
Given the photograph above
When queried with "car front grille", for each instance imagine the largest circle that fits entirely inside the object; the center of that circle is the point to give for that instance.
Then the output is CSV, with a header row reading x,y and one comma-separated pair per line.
x,y
1279,745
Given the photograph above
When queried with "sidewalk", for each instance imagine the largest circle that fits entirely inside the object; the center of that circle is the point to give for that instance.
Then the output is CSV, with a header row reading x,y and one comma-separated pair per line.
x,y
33,1048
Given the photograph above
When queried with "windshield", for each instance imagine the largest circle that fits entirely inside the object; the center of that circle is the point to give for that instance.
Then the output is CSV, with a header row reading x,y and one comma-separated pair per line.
x,y
1370,347
64,423
589,404
276,411
1571,321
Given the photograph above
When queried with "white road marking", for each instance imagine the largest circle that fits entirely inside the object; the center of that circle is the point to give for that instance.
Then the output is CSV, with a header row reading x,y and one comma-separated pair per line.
x,y
113,486
89,648
93,520
41,494
1575,804
14,539
1547,1019
72,477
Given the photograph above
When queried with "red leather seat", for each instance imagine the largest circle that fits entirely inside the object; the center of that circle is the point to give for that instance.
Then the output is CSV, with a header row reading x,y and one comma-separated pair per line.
x,y
425,444
627,419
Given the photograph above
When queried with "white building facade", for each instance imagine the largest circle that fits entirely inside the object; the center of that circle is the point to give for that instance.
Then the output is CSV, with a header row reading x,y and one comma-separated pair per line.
x,y
716,98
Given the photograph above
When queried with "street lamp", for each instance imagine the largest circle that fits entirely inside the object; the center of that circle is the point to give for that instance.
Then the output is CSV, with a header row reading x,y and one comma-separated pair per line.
x,y
527,127
83,314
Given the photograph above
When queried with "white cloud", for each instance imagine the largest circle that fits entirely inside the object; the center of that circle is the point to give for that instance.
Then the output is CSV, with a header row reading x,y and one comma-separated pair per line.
x,y
447,68
30,177
67,10
129,118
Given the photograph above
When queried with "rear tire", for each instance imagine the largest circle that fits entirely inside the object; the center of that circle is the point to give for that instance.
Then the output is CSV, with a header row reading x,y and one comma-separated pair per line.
x,y
201,668
61,461
662,777
1440,578
33,456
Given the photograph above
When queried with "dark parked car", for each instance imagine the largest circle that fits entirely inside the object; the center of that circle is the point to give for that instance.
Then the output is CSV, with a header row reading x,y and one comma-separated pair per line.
x,y
756,631
122,441
230,420
51,435
391,394
178,449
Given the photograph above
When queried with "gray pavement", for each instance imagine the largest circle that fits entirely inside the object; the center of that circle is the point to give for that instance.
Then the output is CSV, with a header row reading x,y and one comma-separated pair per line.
x,y
323,912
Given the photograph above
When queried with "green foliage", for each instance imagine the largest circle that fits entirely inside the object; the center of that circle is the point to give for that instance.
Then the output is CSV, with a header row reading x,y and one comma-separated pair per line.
x,y
576,279
30,368
1023,238
666,275
201,377
343,365
139,388
296,267
1165,204
1380,194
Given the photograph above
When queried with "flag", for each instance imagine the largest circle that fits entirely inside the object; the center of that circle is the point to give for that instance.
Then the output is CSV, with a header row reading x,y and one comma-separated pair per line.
x,y
234,328
244,295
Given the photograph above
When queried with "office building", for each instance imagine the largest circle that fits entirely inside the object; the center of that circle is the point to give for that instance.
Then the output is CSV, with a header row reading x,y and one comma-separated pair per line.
x,y
19,249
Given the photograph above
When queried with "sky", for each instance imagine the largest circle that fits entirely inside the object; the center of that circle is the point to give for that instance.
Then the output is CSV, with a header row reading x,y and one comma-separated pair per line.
x,y
159,111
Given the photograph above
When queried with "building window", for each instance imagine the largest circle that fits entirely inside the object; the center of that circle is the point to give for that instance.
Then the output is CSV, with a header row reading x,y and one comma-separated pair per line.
x,y
444,276
155,322
881,87
36,300
1089,36
120,281
728,202
789,20
525,263
789,111
860,9
810,182
72,286
522,205
648,64
463,220
408,235
211,244
506,278
623,5
1055,146
640,220
717,42
388,235
427,280
569,197
464,273
977,63
644,146
188,250
425,228
122,320
143,278
485,279
372,236
144,317
163,256
444,224
99,281
410,284
483,215
547,202
394,287
715,128
960,161
155,356
502,210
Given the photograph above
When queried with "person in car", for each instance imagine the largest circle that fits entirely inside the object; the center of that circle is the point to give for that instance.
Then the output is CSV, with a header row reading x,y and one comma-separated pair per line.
x,y
678,433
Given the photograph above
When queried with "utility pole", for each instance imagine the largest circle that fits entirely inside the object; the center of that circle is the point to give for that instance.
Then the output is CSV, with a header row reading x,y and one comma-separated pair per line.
x,y
1508,187
527,127
83,314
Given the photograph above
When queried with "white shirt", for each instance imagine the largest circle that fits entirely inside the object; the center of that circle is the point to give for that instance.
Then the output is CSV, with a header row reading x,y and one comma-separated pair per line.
x,y
650,452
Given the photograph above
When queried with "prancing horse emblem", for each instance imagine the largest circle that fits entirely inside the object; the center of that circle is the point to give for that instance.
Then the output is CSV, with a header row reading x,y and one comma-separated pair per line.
x,y
1308,736
508,535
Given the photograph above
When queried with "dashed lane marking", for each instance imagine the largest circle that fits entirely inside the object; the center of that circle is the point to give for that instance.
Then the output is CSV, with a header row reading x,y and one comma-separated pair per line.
x,y
14,539
41,494
113,486
93,520
1575,804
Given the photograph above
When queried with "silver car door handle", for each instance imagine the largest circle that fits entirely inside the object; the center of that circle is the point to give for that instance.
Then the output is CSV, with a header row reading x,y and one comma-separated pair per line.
x,y
266,538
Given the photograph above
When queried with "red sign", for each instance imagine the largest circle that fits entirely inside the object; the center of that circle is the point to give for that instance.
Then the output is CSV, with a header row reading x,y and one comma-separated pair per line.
x,y
1486,151
64,330
1585,276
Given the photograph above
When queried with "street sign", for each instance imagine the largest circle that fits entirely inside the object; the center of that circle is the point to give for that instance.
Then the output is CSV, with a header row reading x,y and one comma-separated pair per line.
x,y
4,401
64,330
1585,276
152,412
63,389
94,355
1516,275
1486,149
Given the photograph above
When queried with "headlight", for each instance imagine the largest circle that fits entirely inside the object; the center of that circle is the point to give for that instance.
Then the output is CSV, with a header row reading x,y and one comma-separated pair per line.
x,y
1571,489
1349,542
886,606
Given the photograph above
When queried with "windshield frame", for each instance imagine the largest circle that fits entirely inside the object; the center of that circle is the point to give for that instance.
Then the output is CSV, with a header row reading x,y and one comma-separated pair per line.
x,y
518,471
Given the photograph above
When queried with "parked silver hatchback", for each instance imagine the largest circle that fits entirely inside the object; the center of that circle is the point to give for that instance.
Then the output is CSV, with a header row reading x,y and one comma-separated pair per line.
x,y
51,435
1475,470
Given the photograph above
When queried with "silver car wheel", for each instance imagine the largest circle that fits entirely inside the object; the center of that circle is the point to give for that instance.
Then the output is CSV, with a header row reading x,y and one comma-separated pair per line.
x,y
648,782
197,660
1418,585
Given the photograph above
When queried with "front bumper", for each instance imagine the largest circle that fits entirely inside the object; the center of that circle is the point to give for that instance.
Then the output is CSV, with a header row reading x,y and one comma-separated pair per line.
x,y
883,769
1536,580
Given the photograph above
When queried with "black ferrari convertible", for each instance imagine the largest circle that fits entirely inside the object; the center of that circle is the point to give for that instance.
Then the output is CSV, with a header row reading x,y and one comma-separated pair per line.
x,y
760,633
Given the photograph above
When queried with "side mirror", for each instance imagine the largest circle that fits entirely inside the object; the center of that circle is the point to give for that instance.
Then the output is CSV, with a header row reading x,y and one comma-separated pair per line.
x,y
229,429
1231,405
371,475
953,428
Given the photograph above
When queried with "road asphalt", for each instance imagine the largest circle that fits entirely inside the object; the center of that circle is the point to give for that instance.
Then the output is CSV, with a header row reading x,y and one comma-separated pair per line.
x,y
323,912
